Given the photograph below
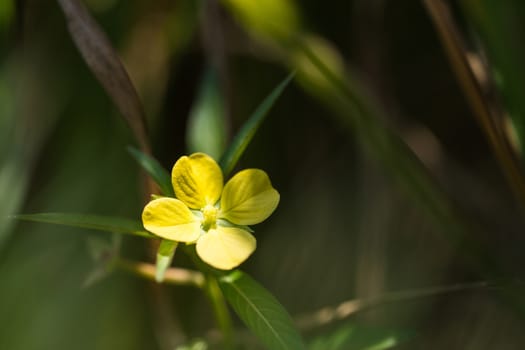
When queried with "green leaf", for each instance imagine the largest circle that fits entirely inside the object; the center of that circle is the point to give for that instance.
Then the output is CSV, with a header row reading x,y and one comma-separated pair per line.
x,y
356,337
95,222
246,133
155,170
164,258
260,311
206,124
104,62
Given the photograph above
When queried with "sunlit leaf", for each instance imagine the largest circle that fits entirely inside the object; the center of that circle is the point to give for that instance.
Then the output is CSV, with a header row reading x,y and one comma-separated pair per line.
x,y
155,170
260,311
248,130
95,222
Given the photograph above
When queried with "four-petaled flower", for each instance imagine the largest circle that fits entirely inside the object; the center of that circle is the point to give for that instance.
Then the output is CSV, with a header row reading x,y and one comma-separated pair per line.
x,y
209,215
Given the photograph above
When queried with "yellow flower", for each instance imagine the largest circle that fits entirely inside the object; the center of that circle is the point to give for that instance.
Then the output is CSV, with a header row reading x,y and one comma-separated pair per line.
x,y
209,215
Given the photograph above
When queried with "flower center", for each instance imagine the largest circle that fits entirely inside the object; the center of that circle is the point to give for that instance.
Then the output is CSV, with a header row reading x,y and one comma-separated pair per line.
x,y
209,219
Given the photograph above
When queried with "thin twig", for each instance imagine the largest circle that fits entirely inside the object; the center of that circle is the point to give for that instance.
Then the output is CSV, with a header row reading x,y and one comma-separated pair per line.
x,y
350,307
173,275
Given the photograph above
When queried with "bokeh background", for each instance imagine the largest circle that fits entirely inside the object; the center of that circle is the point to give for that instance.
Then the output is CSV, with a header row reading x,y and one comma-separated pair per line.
x,y
352,223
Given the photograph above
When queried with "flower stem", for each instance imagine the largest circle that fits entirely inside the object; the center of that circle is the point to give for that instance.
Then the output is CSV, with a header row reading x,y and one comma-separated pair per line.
x,y
175,276
222,314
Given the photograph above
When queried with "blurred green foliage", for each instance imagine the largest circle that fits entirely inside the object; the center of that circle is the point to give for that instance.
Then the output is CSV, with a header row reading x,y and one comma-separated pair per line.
x,y
207,123
386,181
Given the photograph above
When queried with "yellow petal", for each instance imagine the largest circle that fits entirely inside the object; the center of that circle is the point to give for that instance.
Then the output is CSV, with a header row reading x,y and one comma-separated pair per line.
x,y
248,198
171,219
225,247
197,180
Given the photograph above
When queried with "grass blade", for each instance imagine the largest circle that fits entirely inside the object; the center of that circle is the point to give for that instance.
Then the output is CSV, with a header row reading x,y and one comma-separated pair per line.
x,y
104,62
155,170
500,25
485,113
248,130
95,222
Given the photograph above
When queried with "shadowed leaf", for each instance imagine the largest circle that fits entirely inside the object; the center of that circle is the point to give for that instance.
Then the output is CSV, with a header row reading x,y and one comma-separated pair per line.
x,y
105,64
488,117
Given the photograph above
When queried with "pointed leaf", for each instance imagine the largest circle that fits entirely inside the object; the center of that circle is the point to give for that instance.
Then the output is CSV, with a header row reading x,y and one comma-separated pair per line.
x,y
95,222
105,64
260,311
155,170
245,135
164,258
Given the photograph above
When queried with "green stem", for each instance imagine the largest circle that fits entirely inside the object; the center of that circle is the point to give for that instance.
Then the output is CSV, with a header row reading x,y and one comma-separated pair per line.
x,y
222,314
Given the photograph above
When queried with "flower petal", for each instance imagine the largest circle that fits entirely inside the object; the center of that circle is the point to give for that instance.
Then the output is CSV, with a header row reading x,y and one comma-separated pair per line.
x,y
171,219
197,180
225,247
248,198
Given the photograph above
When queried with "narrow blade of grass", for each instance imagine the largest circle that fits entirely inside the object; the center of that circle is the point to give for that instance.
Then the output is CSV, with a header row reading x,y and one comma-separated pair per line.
x,y
479,101
500,25
237,147
155,170
95,222
104,62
